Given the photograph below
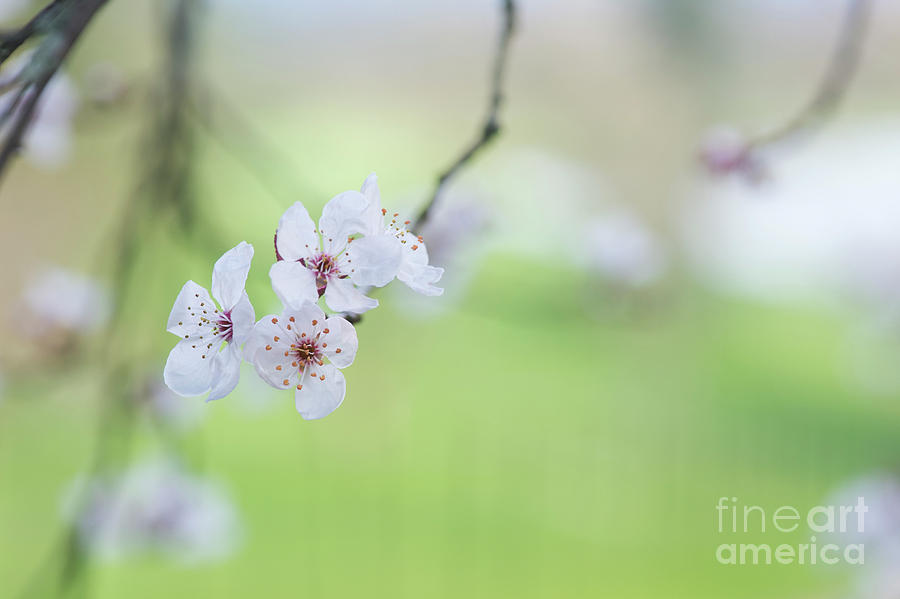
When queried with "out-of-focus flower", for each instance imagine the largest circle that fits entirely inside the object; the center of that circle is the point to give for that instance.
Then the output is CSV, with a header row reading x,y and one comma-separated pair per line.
x,y
62,303
724,151
414,270
622,251
155,506
105,84
47,141
199,362
308,267
290,351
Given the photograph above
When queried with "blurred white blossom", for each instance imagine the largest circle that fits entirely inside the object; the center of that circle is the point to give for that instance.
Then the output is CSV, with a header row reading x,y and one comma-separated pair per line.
x,y
724,151
105,84
60,299
154,506
622,250
47,141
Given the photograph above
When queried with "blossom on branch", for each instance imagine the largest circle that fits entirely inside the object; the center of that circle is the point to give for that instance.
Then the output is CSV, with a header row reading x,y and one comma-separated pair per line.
x,y
290,351
331,260
414,269
208,357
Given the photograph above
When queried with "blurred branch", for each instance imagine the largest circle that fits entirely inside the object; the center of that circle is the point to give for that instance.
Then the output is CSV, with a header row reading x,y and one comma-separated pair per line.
x,y
491,126
738,155
40,23
62,23
163,187
836,80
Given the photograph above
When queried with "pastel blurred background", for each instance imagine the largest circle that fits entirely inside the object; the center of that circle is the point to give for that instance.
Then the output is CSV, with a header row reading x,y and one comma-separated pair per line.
x,y
623,339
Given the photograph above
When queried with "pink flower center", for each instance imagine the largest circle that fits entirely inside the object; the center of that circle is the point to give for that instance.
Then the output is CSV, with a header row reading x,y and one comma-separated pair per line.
x,y
324,266
223,327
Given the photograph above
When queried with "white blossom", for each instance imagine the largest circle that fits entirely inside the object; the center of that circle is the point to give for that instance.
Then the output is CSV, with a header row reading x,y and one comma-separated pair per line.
x,y
208,357
153,506
331,260
291,350
414,269
61,299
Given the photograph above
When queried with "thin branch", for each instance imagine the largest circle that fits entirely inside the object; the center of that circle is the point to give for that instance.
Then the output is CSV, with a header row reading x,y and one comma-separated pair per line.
x,y
836,80
489,129
40,23
491,126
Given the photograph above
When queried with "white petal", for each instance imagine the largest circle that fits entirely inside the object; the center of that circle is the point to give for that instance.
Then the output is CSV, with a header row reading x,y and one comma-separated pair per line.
x,y
243,317
374,215
340,341
297,236
189,368
374,260
184,319
304,317
343,215
421,278
267,355
319,398
230,274
226,371
293,283
342,296
415,271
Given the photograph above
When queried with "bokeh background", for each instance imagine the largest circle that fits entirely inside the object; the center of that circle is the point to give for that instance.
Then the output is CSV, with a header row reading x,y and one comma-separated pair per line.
x,y
623,340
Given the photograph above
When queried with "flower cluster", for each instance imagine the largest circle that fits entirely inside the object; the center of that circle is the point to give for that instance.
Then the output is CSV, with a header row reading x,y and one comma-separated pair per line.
x,y
356,246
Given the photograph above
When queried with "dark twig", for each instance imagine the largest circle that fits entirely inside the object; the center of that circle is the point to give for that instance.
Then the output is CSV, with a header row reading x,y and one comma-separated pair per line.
x,y
489,129
40,23
72,17
491,126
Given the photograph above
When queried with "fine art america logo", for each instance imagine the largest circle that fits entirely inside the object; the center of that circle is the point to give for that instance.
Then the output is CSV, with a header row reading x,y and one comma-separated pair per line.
x,y
831,521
